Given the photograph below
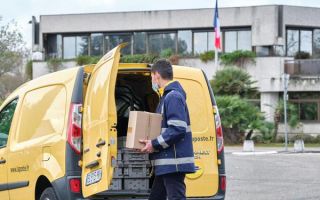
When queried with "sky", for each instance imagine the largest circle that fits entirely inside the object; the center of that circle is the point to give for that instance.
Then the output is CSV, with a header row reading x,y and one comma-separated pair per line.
x,y
22,10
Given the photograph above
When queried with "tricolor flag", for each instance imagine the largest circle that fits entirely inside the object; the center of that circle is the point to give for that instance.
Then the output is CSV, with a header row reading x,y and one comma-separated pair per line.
x,y
217,34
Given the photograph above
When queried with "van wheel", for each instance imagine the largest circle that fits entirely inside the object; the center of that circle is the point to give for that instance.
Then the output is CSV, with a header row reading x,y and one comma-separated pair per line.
x,y
48,194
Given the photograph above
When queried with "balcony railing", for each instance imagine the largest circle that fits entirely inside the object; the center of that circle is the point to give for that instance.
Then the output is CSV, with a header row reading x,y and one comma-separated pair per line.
x,y
308,67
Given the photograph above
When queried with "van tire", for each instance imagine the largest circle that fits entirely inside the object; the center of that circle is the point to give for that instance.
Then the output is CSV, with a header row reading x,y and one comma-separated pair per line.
x,y
48,194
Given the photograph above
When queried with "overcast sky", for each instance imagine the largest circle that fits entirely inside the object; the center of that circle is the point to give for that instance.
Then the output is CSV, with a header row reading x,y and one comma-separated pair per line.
x,y
22,10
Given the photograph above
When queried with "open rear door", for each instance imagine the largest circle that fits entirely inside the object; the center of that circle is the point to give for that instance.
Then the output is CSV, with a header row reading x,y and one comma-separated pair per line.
x,y
99,125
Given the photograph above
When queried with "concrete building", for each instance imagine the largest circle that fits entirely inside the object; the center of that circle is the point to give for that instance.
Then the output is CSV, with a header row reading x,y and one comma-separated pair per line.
x,y
276,33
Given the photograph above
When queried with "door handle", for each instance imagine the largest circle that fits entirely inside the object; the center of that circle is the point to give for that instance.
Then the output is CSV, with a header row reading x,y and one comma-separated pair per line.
x,y
101,143
3,161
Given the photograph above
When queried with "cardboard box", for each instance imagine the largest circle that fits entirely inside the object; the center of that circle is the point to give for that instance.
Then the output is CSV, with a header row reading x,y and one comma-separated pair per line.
x,y
142,125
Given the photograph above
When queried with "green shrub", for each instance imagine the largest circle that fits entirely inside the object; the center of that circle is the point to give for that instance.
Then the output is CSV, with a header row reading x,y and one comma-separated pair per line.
x,y
166,53
29,69
239,58
302,55
54,64
233,81
238,116
86,60
139,58
207,56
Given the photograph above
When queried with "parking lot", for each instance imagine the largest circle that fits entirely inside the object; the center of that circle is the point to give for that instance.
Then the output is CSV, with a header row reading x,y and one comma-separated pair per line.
x,y
282,175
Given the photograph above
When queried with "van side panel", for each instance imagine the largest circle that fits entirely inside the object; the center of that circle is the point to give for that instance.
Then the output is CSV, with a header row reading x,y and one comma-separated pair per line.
x,y
203,133
38,143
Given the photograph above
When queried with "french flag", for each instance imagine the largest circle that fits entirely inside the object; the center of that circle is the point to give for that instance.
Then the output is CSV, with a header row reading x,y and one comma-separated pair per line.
x,y
217,33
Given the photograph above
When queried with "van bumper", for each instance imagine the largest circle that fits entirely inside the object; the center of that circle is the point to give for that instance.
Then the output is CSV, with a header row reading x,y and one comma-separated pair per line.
x,y
216,197
62,189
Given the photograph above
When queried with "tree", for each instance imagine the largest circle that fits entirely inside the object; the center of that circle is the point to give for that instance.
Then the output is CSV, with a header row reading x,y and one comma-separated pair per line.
x,y
233,81
293,116
239,118
12,56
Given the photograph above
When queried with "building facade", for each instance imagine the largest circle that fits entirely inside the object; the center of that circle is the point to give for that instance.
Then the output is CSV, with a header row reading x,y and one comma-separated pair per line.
x,y
276,33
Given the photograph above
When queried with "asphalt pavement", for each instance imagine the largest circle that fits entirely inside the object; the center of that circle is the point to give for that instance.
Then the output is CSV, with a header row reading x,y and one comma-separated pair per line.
x,y
272,173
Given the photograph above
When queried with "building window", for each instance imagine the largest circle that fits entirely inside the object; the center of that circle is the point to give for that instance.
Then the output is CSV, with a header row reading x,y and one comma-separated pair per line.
x,y
82,45
237,40
316,43
185,42
307,104
139,43
200,42
111,41
96,44
157,42
69,47
74,46
299,40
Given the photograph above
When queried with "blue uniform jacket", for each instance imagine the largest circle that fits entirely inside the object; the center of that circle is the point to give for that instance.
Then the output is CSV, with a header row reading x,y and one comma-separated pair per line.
x,y
174,150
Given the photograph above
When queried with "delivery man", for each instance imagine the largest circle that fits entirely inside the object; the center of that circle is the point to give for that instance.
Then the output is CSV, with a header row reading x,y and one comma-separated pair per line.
x,y
172,151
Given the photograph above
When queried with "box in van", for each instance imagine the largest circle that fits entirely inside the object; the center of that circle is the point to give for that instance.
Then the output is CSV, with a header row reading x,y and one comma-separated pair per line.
x,y
59,134
142,126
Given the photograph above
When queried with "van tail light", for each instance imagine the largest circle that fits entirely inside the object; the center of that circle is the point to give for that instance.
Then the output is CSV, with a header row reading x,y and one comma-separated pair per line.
x,y
75,127
223,183
220,144
75,185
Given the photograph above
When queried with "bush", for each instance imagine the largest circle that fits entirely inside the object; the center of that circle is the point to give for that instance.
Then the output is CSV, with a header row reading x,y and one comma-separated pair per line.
x,y
54,64
87,60
239,58
139,58
207,56
233,81
302,55
166,53
238,116
29,69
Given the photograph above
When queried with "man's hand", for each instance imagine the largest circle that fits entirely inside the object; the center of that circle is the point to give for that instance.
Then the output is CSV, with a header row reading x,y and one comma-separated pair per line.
x,y
148,146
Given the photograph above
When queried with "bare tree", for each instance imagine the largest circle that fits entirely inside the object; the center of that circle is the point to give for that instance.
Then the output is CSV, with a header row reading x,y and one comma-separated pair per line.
x,y
13,54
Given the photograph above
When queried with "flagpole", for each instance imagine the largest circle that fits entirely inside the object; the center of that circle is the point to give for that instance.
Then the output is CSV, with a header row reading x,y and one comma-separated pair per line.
x,y
216,64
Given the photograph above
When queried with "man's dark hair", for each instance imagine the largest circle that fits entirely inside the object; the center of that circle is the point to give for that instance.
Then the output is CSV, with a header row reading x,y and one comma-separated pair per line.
x,y
164,68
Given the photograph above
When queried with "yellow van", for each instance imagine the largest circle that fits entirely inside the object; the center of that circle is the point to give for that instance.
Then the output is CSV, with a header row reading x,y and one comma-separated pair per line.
x,y
59,133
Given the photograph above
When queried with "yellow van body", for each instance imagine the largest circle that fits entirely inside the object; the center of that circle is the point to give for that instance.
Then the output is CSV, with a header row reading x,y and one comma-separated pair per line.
x,y
39,152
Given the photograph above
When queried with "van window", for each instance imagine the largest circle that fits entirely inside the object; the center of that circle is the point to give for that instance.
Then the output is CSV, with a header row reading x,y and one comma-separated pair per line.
x,y
42,113
6,116
197,105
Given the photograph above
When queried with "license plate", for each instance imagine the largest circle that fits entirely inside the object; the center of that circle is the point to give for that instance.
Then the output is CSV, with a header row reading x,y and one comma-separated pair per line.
x,y
94,177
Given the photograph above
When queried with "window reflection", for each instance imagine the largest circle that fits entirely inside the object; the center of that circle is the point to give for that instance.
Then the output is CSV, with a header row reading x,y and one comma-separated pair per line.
x,y
306,41
200,42
158,42
230,41
115,40
139,43
316,43
69,47
96,44
185,42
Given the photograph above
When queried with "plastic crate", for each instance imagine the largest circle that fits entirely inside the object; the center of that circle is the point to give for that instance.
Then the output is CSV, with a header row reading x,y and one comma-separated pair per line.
x,y
136,183
118,172
135,156
122,142
116,184
136,171
119,155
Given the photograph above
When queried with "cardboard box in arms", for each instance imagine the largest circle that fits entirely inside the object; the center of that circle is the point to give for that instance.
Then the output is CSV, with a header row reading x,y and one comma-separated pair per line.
x,y
142,125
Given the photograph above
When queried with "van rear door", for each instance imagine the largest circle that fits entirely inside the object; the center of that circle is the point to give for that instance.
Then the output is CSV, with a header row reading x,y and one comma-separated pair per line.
x,y
205,182
99,125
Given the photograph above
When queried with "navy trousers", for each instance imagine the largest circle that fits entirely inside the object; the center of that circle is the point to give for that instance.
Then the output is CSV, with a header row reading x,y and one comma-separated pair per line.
x,y
169,186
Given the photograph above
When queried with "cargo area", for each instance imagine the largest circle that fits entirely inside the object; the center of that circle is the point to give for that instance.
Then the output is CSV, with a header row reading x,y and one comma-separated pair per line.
x,y
133,173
